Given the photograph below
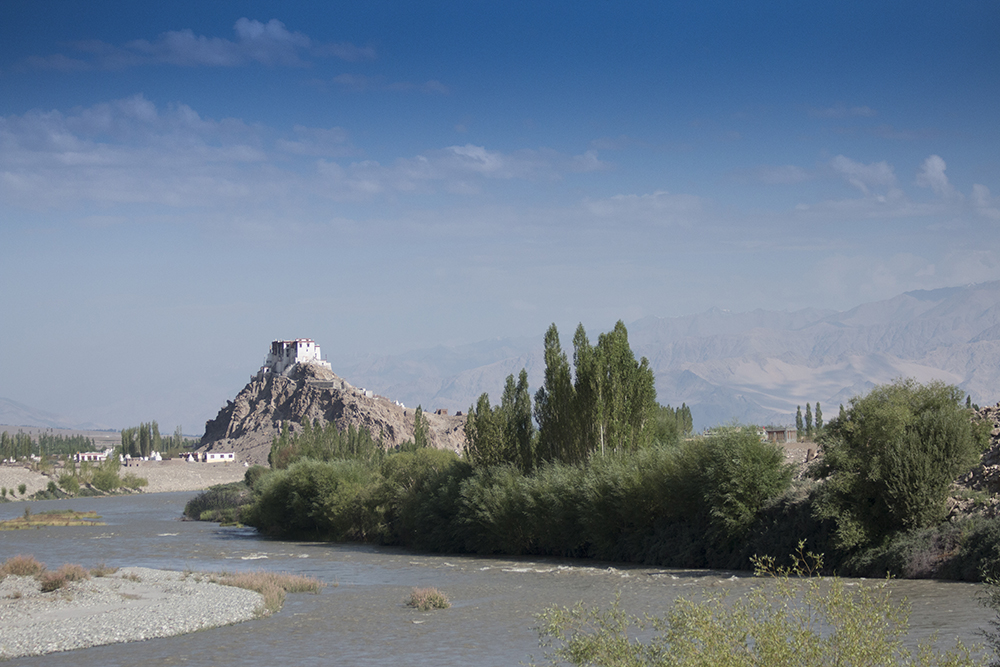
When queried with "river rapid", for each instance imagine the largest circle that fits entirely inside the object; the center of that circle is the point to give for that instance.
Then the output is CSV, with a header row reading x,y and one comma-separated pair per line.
x,y
360,618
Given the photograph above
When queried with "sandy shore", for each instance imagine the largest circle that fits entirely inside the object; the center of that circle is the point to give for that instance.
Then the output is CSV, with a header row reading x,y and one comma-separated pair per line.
x,y
162,476
133,604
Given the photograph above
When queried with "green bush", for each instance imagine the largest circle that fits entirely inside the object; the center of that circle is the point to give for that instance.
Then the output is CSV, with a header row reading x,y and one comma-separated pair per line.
x,y
890,462
106,480
741,475
417,498
69,483
221,497
314,499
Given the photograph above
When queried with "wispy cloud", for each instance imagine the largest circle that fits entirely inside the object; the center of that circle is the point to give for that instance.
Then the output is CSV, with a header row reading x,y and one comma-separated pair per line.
x,y
661,207
130,151
985,205
865,177
320,142
455,170
270,44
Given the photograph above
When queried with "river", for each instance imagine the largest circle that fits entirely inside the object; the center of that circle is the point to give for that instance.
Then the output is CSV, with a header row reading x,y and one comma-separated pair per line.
x,y
360,618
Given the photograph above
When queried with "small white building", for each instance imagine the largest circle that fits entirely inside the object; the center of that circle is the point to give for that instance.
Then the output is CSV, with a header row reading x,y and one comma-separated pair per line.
x,y
95,457
219,457
286,353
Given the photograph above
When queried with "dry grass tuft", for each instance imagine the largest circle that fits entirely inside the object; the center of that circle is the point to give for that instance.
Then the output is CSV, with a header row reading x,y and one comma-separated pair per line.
x,y
21,566
73,572
52,581
272,585
426,599
102,570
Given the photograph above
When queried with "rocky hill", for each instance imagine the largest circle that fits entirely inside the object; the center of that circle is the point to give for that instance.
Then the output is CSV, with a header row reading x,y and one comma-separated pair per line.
x,y
248,424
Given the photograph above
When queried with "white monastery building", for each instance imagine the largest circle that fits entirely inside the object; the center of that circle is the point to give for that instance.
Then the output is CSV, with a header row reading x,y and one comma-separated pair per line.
x,y
286,353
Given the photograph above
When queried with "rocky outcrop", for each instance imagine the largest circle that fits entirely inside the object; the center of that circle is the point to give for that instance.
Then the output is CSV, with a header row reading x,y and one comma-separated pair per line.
x,y
307,392
986,475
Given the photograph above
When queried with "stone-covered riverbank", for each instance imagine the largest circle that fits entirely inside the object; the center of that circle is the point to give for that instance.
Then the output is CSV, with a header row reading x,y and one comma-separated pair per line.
x,y
133,604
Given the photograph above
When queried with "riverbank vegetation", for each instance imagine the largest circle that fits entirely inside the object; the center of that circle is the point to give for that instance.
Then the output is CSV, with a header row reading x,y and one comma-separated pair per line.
x,y
593,467
49,580
271,585
790,619
51,518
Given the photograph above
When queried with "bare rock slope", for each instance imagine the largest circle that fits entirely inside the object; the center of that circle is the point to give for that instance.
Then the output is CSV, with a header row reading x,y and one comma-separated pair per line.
x,y
309,392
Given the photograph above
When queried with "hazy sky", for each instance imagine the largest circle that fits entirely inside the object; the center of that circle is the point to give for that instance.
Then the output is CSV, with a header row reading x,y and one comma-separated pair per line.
x,y
182,182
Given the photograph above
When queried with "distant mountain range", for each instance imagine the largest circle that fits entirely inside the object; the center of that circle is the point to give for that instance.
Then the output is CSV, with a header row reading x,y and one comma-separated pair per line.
x,y
13,413
753,367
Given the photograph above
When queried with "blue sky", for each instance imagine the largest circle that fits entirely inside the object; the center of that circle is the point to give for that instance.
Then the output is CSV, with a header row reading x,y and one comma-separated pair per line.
x,y
182,183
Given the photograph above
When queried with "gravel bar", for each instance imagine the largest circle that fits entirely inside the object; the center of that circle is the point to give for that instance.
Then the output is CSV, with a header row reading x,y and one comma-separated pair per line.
x,y
133,604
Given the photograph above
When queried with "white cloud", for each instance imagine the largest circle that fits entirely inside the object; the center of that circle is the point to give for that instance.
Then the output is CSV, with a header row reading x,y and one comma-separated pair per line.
x,y
865,177
984,203
131,151
326,142
931,175
660,207
270,44
455,169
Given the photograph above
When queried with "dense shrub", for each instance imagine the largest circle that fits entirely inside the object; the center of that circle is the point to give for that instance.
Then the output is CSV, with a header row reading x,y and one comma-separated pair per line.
x,y
741,474
890,462
69,483
418,498
21,566
212,503
313,498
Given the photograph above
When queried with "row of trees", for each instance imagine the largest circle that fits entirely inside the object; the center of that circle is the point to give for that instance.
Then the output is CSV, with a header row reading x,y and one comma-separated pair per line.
x,y
605,402
806,427
136,441
21,445
142,440
323,443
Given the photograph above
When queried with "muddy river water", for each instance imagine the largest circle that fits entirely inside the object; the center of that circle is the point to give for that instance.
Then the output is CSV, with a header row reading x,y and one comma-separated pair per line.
x,y
360,618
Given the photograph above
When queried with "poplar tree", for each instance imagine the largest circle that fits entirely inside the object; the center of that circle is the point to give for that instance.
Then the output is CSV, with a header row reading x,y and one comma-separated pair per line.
x,y
420,428
519,430
504,434
809,421
555,403
798,420
483,434
819,418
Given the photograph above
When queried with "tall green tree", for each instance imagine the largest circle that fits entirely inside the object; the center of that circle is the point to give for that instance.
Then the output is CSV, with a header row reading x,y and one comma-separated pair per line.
x,y
519,429
420,428
809,421
626,394
485,443
505,433
555,405
798,420
890,461
819,417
